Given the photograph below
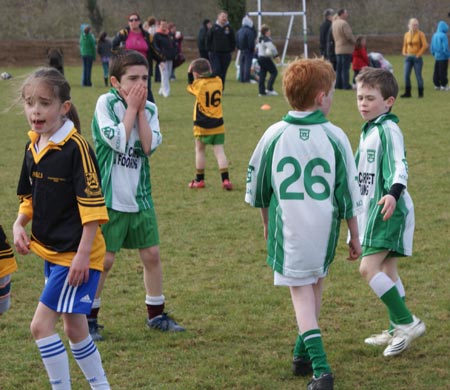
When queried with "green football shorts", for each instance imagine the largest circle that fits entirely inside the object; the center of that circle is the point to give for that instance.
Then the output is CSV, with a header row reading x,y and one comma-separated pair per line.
x,y
370,250
216,139
130,230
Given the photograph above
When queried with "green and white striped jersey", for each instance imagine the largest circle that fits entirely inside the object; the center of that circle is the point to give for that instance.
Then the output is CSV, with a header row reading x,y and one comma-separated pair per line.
x,y
124,167
304,171
381,162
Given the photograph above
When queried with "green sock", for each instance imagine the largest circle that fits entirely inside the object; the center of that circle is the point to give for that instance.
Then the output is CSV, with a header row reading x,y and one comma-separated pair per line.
x,y
300,348
391,319
398,312
314,346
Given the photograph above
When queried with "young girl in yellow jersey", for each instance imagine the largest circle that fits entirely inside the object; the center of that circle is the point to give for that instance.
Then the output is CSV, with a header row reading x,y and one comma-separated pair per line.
x,y
60,193
208,121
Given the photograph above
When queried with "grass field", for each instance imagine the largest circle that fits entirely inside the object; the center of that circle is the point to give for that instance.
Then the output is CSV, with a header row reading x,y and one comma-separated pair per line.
x,y
240,328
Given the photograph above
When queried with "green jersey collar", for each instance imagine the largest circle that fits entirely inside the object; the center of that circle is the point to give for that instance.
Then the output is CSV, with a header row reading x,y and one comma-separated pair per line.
x,y
380,119
314,118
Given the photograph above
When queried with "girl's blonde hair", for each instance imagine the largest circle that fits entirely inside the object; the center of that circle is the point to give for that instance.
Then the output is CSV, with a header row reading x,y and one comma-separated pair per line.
x,y
411,22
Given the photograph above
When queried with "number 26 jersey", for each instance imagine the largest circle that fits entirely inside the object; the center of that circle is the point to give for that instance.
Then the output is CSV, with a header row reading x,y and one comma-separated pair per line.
x,y
303,171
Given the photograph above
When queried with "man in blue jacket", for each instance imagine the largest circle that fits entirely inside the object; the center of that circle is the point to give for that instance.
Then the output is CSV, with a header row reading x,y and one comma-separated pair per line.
x,y
245,41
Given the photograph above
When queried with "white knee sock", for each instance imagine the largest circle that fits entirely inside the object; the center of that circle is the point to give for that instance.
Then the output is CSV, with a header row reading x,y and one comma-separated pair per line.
x,y
56,362
90,362
400,288
381,283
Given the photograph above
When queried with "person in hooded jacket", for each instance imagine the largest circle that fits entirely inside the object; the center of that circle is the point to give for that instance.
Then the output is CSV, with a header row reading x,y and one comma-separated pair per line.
x,y
245,42
440,51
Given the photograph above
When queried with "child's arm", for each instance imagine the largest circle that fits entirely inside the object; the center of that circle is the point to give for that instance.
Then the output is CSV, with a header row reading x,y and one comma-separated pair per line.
x,y
354,246
79,269
21,239
265,219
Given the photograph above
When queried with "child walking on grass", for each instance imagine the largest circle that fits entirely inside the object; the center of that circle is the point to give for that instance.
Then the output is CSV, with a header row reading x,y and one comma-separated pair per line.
x,y
60,192
208,121
302,176
386,225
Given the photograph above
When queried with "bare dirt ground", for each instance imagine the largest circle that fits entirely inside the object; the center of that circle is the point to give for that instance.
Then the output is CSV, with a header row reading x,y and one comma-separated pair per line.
x,y
33,52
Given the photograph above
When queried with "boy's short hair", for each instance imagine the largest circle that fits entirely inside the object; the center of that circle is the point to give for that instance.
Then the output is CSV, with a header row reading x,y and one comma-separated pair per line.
x,y
303,79
264,29
123,59
201,66
381,79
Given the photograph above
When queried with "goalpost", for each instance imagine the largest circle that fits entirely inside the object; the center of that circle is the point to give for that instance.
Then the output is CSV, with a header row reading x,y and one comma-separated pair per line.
x,y
292,14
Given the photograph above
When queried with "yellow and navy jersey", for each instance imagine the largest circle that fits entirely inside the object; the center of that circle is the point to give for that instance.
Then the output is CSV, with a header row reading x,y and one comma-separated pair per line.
x,y
208,116
7,260
60,191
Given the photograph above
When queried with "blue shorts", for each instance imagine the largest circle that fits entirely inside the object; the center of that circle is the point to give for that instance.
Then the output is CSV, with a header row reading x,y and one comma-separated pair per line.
x,y
61,297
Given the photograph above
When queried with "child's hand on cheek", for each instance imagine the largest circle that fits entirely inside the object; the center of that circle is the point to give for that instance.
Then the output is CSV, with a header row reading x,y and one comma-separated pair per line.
x,y
136,97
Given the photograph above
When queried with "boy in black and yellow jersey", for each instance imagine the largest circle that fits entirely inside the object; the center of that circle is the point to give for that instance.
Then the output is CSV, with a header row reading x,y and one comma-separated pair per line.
x,y
208,120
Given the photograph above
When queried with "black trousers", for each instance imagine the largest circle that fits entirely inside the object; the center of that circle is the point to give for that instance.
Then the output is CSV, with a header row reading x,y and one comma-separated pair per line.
x,y
266,65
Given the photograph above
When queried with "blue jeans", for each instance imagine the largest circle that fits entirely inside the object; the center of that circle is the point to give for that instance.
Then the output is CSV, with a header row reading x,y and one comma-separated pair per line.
x,y
343,62
105,67
245,65
417,64
87,71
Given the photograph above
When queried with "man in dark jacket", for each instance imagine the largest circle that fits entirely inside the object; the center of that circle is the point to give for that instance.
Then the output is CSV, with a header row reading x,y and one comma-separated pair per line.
x,y
221,43
245,41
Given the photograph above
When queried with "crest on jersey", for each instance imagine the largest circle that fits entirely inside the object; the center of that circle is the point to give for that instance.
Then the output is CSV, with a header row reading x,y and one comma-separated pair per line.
x,y
108,132
92,184
249,173
370,155
304,134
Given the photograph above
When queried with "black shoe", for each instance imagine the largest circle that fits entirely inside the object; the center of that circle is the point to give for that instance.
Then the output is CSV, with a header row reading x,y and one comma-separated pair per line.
x,y
301,366
93,329
323,382
165,323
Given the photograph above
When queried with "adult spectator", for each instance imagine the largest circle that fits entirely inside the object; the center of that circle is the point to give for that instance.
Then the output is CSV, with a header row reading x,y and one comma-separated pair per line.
x,y
134,37
201,39
414,45
245,42
344,44
324,31
221,43
87,51
164,45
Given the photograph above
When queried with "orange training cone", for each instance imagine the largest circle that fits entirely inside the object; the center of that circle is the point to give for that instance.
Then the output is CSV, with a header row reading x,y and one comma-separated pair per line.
x,y
265,107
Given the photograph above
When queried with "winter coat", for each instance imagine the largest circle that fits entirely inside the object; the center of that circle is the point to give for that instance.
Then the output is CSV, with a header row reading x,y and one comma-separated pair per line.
x,y
439,43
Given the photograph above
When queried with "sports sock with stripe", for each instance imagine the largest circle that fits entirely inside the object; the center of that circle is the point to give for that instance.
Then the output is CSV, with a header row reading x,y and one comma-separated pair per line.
x,y
314,345
300,348
386,290
88,359
56,362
